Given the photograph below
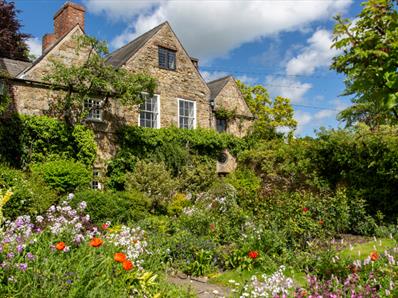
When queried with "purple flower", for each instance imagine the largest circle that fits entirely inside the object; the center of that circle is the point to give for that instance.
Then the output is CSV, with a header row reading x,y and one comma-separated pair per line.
x,y
82,205
30,256
19,248
10,255
23,266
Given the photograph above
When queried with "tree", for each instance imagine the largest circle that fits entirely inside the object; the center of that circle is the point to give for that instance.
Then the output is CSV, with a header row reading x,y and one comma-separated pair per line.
x,y
12,41
271,115
93,79
369,59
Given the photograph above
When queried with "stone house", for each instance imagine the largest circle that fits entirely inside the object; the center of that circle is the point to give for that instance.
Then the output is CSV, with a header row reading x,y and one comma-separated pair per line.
x,y
182,97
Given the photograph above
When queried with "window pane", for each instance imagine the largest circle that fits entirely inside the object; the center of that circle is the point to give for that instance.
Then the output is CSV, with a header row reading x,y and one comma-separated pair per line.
x,y
149,111
162,57
221,125
171,59
187,114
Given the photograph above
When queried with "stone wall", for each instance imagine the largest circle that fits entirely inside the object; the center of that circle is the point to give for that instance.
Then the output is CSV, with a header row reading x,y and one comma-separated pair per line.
x,y
230,98
64,51
185,82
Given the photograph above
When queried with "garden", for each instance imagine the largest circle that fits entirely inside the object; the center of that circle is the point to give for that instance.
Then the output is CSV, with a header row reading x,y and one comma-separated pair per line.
x,y
310,217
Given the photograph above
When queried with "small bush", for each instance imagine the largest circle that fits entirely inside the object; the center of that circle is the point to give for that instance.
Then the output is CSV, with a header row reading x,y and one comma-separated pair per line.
x,y
30,194
63,175
117,207
154,180
247,185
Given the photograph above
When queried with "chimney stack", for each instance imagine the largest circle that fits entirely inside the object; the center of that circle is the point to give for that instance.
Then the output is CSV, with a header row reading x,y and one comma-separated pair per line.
x,y
65,19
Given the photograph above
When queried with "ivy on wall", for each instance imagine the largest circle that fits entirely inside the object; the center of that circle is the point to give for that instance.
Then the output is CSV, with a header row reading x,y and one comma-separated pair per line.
x,y
28,139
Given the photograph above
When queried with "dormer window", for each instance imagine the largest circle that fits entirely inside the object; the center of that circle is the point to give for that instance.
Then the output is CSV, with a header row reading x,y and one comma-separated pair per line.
x,y
94,109
167,58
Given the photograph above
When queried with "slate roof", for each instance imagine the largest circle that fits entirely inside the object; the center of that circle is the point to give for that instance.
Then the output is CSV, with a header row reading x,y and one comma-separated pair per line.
x,y
217,85
122,55
13,67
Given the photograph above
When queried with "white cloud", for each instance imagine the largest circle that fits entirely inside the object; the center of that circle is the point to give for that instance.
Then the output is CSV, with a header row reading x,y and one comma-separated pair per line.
x,y
322,114
303,119
34,45
247,79
287,87
317,54
213,75
211,29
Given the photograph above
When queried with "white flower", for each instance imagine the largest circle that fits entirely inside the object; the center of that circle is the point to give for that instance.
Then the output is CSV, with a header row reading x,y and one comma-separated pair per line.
x,y
71,196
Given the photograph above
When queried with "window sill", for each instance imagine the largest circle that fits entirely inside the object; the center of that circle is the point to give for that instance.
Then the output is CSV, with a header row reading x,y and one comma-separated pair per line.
x,y
165,68
95,120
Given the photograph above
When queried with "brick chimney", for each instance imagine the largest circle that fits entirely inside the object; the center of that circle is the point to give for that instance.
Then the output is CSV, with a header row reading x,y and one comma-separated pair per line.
x,y
65,19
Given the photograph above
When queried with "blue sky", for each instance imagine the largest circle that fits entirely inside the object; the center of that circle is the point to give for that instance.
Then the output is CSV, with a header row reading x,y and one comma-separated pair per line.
x,y
281,44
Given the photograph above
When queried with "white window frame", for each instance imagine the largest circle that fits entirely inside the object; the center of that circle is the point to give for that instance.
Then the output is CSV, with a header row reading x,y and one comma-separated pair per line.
x,y
158,112
194,111
95,183
89,105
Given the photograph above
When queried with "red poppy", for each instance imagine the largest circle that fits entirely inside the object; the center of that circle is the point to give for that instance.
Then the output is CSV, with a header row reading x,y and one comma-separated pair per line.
x,y
104,226
120,257
96,242
305,209
253,254
374,255
321,222
127,265
212,227
60,246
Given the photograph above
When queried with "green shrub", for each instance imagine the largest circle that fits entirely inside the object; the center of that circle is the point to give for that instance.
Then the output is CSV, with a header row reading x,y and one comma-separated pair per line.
x,y
31,195
63,175
178,202
154,180
117,207
247,185
198,175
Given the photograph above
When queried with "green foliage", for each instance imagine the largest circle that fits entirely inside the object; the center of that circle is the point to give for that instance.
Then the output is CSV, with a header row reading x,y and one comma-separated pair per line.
x,y
369,52
198,175
248,187
94,78
5,98
269,114
223,113
155,181
27,139
30,194
187,154
117,207
364,161
177,204
63,175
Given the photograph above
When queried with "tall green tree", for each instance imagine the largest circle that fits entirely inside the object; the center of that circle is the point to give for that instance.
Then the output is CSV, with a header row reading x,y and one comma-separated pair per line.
x,y
271,115
369,60
12,41
93,79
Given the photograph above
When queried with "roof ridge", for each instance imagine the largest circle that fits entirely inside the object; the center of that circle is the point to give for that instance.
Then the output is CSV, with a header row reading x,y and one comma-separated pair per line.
x,y
135,40
220,79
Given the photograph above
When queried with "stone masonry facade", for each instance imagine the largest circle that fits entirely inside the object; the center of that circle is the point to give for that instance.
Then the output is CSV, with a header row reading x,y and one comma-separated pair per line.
x,y
32,97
